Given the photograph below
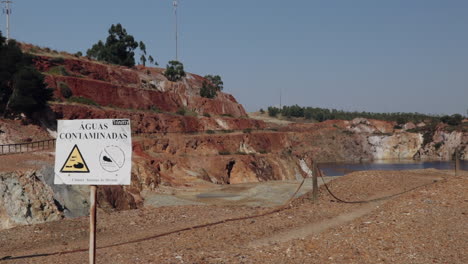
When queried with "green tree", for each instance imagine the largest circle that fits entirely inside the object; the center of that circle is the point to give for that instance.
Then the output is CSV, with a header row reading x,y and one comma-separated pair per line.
x,y
143,56
208,90
30,94
273,111
22,87
151,60
143,60
216,81
455,120
174,71
401,120
142,47
445,119
119,47
11,61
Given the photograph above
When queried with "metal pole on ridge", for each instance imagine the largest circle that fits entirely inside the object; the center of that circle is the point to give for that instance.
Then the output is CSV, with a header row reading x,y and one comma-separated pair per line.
x,y
175,3
7,11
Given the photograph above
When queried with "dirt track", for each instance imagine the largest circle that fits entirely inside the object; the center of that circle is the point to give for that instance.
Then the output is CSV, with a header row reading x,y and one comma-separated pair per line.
x,y
424,225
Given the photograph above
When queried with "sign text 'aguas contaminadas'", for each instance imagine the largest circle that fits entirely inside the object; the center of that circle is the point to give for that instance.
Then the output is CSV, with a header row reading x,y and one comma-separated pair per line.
x,y
93,152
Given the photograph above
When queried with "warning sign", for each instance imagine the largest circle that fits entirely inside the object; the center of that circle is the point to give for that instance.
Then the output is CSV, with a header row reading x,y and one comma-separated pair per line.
x,y
93,152
112,158
75,162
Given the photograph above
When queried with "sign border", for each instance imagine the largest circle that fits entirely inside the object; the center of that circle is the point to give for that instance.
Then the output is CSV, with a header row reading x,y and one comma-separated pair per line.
x,y
66,160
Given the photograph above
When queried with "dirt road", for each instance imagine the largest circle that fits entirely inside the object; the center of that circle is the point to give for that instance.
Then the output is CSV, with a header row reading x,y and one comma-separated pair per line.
x,y
426,223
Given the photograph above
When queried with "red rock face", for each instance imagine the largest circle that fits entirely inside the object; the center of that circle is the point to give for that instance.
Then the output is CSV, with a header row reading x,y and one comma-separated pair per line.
x,y
147,122
135,88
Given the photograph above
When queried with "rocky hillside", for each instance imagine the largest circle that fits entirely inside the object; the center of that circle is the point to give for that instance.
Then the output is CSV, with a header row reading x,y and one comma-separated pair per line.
x,y
182,140
138,88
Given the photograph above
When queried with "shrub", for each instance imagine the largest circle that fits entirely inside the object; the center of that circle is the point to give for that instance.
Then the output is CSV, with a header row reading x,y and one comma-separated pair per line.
x,y
427,137
78,54
227,131
445,119
294,111
57,60
227,115
224,152
438,145
348,132
210,132
155,109
215,82
206,115
208,90
58,70
181,111
401,120
191,113
308,113
261,111
65,90
273,111
455,120
82,100
174,71
247,130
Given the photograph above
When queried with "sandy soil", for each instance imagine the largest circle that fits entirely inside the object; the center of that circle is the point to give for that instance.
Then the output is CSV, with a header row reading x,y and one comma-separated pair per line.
x,y
32,160
254,194
425,223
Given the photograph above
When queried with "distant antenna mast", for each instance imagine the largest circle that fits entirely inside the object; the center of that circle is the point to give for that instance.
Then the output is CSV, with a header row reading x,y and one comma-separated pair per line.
x,y
7,11
175,3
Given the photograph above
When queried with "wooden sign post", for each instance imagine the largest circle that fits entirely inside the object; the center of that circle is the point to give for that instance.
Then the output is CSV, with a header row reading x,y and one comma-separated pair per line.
x,y
92,224
93,152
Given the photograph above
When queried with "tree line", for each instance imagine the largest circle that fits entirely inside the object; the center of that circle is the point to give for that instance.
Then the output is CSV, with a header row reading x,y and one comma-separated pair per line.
x,y
323,114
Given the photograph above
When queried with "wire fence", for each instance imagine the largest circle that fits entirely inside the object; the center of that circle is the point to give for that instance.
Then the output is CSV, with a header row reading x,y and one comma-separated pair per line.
x,y
27,147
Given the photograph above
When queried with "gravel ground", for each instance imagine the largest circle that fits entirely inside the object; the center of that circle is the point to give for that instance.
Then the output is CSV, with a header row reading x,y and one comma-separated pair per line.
x,y
423,225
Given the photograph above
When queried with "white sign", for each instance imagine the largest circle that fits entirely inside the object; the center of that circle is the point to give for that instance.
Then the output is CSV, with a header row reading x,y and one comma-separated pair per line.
x,y
93,152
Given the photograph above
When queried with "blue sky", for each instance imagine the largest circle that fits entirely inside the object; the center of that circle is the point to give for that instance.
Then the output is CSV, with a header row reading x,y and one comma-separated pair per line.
x,y
366,55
